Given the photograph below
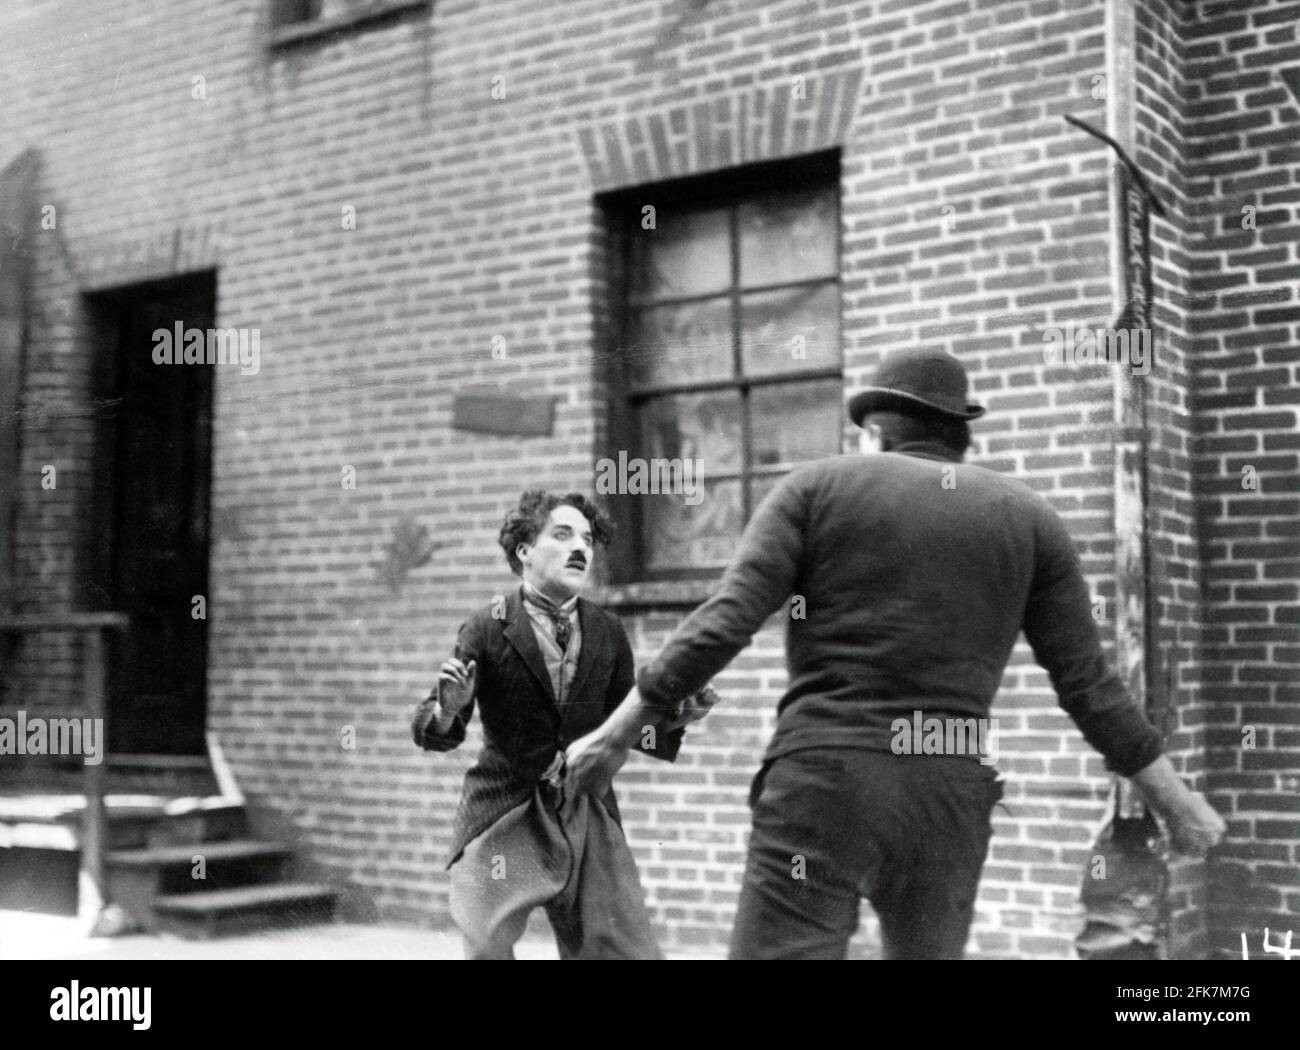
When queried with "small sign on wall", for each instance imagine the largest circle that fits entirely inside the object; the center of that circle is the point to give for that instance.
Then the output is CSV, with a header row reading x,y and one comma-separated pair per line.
x,y
498,412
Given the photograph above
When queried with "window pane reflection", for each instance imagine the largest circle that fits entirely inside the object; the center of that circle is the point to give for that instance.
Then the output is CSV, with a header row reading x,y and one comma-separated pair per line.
x,y
704,427
688,253
794,422
788,237
680,536
687,343
791,329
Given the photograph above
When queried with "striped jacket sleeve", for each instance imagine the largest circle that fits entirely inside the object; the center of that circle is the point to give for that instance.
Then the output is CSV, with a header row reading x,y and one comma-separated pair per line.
x,y
424,727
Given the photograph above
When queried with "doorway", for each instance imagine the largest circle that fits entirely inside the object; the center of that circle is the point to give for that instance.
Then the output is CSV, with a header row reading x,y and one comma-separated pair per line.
x,y
149,548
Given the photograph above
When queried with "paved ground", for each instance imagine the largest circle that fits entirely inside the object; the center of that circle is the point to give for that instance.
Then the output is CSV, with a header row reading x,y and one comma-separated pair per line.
x,y
26,935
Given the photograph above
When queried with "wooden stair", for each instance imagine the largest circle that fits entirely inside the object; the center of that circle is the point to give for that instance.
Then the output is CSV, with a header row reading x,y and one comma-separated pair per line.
x,y
212,913
165,776
183,866
200,875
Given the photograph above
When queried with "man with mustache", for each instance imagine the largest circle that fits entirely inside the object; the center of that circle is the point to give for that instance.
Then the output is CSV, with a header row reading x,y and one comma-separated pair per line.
x,y
545,667
917,574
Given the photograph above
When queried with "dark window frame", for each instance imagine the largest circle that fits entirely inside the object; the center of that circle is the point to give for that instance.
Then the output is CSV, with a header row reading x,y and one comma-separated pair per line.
x,y
326,25
622,212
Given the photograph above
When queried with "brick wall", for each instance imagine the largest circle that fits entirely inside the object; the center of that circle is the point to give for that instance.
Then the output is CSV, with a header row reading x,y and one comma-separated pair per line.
x,y
1244,148
476,217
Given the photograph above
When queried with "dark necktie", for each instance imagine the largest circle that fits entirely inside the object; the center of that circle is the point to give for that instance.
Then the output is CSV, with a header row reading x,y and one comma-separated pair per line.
x,y
563,630
559,619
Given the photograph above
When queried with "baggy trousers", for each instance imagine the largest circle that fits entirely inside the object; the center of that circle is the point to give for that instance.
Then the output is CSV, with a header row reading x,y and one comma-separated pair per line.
x,y
567,855
832,826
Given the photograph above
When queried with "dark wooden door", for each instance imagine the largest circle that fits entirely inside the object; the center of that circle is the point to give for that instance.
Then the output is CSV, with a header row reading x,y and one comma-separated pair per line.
x,y
158,522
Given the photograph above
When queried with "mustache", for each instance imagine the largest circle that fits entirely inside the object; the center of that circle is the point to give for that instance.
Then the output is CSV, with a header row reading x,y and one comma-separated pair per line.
x,y
577,560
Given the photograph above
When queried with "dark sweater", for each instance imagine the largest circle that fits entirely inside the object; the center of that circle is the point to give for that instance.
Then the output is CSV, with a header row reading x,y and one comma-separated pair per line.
x,y
916,574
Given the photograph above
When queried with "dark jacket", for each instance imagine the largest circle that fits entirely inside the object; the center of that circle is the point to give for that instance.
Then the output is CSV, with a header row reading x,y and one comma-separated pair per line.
x,y
905,579
523,728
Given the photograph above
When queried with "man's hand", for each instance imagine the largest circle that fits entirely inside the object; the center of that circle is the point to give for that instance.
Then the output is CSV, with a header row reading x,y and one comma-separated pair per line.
x,y
456,685
694,707
591,762
1195,828
593,759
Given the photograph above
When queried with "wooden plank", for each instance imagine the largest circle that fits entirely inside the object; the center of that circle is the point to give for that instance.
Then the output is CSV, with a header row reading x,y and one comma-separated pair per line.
x,y
245,897
183,854
1130,292
92,890
18,225
37,836
1125,912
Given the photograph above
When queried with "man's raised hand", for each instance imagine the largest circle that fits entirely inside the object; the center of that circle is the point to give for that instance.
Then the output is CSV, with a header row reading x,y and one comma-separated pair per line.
x,y
456,684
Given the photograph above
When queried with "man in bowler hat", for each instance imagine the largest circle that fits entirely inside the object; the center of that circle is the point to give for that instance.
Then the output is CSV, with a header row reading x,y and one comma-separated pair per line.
x,y
917,573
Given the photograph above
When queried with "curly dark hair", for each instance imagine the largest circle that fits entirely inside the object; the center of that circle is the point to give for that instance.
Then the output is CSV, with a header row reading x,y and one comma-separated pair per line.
x,y
526,520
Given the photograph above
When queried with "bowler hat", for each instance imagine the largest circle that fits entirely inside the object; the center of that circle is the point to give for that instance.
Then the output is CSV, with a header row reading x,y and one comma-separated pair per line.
x,y
928,379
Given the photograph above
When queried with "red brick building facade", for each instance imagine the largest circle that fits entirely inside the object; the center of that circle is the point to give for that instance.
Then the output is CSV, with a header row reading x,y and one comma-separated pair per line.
x,y
412,203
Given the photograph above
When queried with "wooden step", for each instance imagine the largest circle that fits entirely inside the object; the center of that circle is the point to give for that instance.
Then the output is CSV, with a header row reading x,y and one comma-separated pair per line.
x,y
213,913
171,776
174,775
53,821
183,855
139,877
199,820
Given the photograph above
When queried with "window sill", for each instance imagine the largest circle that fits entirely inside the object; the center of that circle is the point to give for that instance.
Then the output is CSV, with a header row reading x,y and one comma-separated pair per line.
x,y
304,32
654,594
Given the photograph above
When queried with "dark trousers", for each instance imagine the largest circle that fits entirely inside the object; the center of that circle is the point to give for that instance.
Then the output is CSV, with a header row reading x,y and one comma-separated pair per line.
x,y
831,826
567,855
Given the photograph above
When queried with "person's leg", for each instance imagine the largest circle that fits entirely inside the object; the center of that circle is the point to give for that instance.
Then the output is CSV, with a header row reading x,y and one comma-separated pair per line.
x,y
927,908
799,899
506,872
601,913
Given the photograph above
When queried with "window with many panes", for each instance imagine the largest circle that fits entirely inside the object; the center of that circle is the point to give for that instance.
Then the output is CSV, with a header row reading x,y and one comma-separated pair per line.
x,y
729,313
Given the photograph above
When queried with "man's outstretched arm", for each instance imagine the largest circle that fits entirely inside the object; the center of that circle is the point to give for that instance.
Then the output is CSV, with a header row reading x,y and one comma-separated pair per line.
x,y
757,582
1060,629
664,740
